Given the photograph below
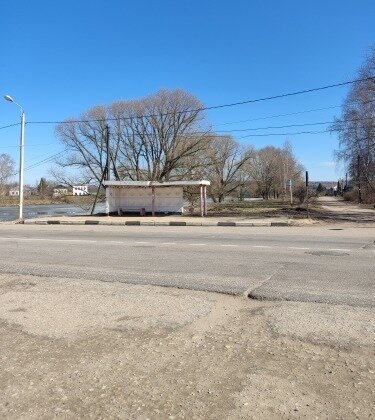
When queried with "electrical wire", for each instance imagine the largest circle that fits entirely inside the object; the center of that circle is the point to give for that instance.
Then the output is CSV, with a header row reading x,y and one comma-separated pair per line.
x,y
296,133
10,125
284,134
287,115
219,107
46,160
52,157
250,101
290,125
240,130
279,115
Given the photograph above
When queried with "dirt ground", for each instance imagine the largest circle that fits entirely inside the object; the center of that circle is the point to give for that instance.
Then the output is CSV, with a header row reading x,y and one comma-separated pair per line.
x,y
82,349
323,209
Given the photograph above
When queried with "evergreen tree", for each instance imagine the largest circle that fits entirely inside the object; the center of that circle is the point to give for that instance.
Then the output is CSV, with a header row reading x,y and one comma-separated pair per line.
x,y
320,188
42,186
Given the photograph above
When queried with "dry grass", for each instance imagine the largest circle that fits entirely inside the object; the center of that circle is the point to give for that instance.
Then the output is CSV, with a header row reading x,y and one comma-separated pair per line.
x,y
38,200
257,209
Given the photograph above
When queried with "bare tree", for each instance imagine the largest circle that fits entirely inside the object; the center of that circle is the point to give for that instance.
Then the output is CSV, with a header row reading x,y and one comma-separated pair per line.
x,y
356,128
6,171
263,170
85,142
224,159
157,133
288,169
149,138
270,167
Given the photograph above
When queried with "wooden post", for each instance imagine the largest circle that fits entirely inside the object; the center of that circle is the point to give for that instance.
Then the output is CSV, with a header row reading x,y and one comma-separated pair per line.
x,y
153,201
205,200
201,200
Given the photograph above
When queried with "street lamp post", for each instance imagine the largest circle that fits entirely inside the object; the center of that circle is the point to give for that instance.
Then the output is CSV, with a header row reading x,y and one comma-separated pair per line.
x,y
22,147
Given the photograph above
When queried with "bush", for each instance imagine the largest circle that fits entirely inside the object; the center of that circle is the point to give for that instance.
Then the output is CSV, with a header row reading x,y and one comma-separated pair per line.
x,y
300,193
369,197
351,195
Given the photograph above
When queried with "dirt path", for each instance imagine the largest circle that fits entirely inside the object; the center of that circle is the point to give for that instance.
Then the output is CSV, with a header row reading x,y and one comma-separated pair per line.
x,y
339,205
334,209
82,349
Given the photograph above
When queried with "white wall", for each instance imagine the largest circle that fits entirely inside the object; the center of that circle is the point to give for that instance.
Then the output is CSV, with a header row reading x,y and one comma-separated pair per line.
x,y
167,199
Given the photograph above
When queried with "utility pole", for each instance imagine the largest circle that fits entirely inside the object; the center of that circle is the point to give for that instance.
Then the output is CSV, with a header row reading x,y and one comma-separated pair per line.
x,y
108,162
307,194
115,171
106,174
291,191
359,179
284,182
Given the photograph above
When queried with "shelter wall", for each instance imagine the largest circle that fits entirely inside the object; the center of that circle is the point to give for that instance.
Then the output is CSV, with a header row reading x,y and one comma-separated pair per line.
x,y
167,199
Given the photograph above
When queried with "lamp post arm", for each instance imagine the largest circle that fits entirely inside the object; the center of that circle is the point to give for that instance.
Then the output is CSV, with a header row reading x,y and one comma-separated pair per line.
x,y
16,103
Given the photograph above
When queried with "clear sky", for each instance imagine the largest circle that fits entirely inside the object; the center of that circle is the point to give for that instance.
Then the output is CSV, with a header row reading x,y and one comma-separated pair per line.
x,y
59,58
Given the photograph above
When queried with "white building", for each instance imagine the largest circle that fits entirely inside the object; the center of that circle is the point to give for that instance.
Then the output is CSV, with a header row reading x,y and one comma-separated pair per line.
x,y
59,191
80,190
150,196
15,191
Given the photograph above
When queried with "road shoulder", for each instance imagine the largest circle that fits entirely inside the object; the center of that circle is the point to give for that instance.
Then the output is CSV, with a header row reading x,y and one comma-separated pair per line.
x,y
105,349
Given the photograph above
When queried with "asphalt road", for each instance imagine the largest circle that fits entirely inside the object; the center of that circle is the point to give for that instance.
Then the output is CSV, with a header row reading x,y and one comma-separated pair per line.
x,y
315,264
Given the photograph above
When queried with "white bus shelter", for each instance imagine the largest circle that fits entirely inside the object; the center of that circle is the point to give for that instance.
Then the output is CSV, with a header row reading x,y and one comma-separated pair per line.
x,y
151,196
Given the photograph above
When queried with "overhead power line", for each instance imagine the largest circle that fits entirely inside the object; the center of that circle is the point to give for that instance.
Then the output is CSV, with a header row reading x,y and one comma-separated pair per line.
x,y
289,134
287,115
284,95
279,115
219,107
10,125
209,133
238,130
54,156
46,160
250,101
284,134
290,125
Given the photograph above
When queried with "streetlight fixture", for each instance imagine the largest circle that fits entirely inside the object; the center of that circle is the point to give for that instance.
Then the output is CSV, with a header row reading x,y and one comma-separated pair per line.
x,y
22,147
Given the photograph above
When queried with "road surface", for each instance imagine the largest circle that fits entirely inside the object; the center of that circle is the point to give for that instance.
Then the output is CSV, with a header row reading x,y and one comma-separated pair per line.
x,y
78,342
311,264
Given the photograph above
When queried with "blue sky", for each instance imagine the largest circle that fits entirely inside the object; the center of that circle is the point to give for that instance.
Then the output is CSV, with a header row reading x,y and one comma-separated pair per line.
x,y
61,57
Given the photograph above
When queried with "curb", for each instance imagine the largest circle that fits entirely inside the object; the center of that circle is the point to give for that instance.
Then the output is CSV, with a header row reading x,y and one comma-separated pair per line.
x,y
155,223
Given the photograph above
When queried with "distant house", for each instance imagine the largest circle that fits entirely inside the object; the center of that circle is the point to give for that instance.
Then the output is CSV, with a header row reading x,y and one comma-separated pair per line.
x,y
15,191
59,191
80,189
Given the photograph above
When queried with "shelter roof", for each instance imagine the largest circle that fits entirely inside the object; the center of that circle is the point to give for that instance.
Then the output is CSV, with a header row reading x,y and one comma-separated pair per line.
x,y
124,184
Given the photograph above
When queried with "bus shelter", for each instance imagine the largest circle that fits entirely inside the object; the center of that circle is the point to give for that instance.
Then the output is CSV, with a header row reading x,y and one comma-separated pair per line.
x,y
151,196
